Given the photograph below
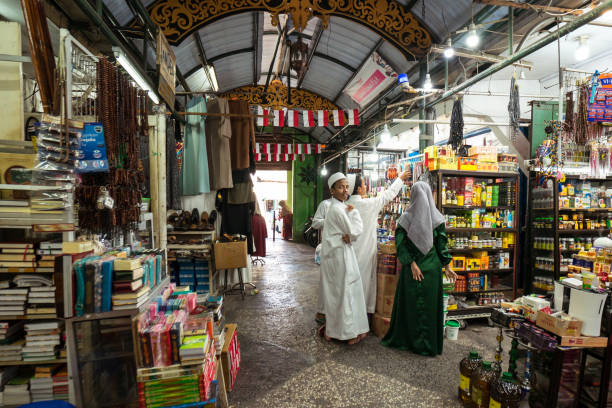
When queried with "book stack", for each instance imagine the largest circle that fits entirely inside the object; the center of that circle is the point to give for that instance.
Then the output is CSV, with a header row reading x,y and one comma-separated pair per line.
x,y
10,331
12,351
60,385
16,391
41,340
41,389
128,289
41,300
12,301
193,349
17,257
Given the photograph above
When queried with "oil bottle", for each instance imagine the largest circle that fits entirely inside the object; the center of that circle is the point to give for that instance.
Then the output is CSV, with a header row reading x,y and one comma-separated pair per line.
x,y
480,385
505,393
466,369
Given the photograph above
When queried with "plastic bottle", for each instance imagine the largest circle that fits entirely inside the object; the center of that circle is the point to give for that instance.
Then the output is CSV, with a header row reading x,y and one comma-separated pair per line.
x,y
505,393
466,369
480,385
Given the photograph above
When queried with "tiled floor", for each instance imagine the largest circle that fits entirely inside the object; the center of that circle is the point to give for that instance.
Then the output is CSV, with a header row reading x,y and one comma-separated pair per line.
x,y
285,364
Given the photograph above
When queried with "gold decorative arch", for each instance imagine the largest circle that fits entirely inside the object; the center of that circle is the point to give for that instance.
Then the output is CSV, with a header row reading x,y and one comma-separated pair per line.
x,y
389,18
277,97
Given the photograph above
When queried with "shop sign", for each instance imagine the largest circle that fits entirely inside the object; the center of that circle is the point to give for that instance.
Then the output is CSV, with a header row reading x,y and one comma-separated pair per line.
x,y
166,63
372,78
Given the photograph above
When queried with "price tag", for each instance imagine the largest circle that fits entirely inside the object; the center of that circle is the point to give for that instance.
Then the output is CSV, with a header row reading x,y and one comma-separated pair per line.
x,y
109,202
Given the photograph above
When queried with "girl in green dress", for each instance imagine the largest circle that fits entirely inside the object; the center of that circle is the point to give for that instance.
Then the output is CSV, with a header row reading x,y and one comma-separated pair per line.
x,y
420,240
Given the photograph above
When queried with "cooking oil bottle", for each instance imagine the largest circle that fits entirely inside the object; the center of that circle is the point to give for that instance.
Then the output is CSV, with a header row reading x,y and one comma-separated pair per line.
x,y
480,385
505,393
466,369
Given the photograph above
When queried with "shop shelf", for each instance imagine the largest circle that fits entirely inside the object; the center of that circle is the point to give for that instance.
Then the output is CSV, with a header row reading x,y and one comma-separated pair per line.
x,y
25,363
481,229
31,317
585,209
584,232
470,250
474,207
504,270
500,288
476,174
543,209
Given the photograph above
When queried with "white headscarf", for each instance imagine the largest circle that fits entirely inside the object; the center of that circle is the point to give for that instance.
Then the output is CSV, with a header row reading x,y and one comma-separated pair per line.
x,y
335,177
422,217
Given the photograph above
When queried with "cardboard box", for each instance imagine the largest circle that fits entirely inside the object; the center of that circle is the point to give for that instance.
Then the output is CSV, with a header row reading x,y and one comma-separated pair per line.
x,y
380,324
557,325
583,341
467,164
230,356
388,305
386,284
230,255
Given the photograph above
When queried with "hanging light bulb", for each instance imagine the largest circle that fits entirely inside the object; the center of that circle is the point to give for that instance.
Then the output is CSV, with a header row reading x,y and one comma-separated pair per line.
x,y
428,86
583,51
385,135
324,171
473,38
449,51
522,75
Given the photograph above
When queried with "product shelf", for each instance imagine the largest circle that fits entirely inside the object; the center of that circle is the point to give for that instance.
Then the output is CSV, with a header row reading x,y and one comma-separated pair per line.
x,y
477,207
470,250
475,174
583,232
499,288
585,209
26,363
501,270
481,229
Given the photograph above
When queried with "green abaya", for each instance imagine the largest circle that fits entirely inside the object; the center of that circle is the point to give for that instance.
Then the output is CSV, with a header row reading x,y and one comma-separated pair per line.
x,y
417,318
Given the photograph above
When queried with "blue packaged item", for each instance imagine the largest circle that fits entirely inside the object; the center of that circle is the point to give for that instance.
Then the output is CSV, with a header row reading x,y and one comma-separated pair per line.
x,y
107,284
91,156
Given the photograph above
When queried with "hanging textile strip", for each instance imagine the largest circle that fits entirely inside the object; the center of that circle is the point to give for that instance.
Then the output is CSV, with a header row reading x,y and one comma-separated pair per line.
x,y
291,118
264,157
278,148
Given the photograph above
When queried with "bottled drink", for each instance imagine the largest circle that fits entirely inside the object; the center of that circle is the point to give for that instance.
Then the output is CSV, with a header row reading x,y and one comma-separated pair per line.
x,y
505,393
480,385
466,369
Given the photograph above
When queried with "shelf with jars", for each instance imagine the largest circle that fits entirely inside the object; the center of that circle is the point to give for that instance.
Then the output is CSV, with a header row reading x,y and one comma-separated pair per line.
x,y
480,210
566,216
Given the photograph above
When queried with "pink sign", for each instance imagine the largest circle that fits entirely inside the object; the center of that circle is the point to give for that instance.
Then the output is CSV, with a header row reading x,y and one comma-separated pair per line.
x,y
369,85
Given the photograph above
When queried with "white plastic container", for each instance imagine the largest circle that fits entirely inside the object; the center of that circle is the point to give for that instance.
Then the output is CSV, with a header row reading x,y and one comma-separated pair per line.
x,y
588,307
452,330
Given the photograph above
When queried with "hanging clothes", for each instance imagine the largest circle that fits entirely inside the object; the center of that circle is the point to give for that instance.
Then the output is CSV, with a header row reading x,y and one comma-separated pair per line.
x,y
243,132
260,231
173,187
237,218
366,244
219,132
345,312
195,177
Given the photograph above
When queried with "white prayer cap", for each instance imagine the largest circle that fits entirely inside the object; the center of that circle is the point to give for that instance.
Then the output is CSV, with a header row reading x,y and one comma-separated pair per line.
x,y
351,180
335,177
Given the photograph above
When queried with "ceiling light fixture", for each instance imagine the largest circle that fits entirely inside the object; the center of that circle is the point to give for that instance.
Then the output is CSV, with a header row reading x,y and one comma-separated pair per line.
x,y
324,171
385,135
449,51
427,86
583,51
473,38
213,78
131,69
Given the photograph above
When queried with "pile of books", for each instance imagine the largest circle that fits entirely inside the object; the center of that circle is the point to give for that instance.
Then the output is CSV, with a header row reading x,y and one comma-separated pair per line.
x,y
41,300
128,289
16,391
12,301
10,331
16,255
42,385
41,341
12,351
194,349
60,384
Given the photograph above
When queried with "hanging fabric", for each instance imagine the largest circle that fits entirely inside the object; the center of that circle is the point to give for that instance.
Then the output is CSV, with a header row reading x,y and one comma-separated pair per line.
x,y
455,138
219,132
173,187
194,175
242,131
514,109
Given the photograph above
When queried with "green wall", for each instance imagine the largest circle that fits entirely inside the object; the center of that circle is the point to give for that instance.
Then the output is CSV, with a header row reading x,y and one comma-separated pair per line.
x,y
541,112
303,197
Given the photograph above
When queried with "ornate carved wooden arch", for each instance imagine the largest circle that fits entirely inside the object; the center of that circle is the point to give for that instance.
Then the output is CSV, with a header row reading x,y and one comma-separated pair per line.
x,y
277,97
389,18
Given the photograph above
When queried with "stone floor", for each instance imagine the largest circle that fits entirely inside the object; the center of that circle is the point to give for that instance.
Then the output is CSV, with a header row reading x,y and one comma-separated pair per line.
x,y
285,364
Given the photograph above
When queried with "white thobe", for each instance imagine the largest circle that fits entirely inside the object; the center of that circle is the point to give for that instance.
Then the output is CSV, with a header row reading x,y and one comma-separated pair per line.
x,y
365,246
317,223
344,304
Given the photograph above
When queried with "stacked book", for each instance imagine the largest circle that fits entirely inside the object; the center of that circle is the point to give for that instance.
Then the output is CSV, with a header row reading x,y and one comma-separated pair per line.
x,y
10,331
60,384
12,301
12,351
193,349
128,289
41,341
41,300
41,389
17,257
16,391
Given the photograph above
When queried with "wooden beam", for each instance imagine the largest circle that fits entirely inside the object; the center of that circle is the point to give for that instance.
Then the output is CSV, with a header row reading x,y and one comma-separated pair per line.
x,y
526,6
316,37
181,80
202,56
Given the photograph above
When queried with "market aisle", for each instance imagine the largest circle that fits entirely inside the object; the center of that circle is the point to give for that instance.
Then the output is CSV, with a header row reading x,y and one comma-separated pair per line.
x,y
284,363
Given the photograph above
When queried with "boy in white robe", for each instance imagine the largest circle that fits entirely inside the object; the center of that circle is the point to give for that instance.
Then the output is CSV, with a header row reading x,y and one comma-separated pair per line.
x,y
344,302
